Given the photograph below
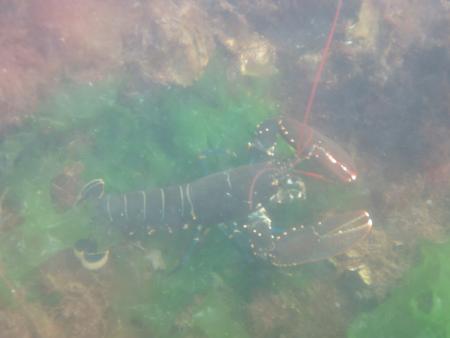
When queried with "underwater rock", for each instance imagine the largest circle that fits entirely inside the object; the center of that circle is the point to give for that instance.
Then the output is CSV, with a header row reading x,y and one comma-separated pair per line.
x,y
369,270
255,55
68,301
25,73
77,302
386,31
403,218
172,42
166,42
436,163
411,21
156,259
25,319
31,321
9,213
364,33
267,314
272,18
411,25
290,311
85,35
81,307
14,324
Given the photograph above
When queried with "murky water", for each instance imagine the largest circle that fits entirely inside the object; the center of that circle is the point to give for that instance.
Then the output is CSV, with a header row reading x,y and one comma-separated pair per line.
x,y
141,128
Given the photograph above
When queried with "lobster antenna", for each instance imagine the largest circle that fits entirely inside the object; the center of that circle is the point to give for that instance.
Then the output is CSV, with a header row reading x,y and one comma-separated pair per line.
x,y
320,67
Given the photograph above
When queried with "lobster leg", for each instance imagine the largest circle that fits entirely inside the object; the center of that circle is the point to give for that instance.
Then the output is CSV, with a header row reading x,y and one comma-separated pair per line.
x,y
198,236
332,236
254,235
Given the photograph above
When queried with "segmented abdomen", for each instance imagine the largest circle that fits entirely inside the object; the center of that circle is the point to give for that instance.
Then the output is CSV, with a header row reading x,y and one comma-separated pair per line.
x,y
213,199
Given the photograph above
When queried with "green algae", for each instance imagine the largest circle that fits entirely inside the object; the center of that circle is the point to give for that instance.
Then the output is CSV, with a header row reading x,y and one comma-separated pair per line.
x,y
218,316
186,302
75,106
166,136
419,306
44,230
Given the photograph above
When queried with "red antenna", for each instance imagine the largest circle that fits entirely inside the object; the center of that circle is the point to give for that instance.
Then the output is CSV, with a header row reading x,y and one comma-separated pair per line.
x,y
311,97
323,60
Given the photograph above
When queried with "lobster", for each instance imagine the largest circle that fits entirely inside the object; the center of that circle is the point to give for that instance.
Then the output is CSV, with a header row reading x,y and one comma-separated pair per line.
x,y
238,200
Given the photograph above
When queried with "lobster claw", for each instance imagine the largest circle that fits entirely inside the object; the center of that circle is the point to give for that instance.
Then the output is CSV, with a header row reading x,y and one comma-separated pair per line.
x,y
309,144
332,236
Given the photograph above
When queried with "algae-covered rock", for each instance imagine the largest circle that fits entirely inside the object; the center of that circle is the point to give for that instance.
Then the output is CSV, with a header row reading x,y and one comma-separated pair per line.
x,y
292,312
66,186
80,303
418,307
218,315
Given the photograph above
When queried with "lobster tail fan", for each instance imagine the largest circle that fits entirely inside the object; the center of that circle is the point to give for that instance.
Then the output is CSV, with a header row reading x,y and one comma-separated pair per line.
x,y
94,189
